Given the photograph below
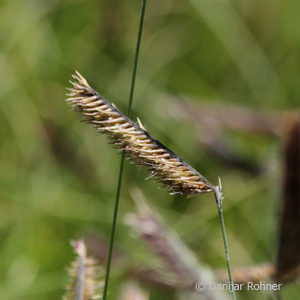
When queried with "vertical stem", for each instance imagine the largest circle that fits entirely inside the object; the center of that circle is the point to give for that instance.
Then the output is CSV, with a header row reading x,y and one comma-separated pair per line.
x,y
115,215
136,57
219,198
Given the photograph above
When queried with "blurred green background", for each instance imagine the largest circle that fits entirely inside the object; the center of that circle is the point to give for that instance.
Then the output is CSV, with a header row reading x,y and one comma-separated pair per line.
x,y
58,177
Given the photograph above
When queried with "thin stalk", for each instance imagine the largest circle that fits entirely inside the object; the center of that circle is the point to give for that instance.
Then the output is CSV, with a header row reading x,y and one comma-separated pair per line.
x,y
81,276
219,199
116,208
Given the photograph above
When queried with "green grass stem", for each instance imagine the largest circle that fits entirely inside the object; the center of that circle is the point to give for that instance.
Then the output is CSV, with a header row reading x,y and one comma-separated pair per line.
x,y
116,207
219,200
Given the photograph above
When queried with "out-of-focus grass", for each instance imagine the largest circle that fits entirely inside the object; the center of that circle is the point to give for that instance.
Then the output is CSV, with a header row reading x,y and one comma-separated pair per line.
x,y
209,51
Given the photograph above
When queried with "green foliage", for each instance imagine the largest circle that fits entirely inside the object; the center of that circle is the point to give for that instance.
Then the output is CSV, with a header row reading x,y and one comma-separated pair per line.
x,y
58,178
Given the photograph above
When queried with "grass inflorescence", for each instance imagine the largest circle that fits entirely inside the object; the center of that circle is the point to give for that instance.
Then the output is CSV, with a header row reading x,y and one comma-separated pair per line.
x,y
137,144
86,276
135,141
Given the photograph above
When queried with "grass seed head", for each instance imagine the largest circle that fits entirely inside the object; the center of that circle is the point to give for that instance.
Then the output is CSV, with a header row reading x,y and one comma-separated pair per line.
x,y
86,276
135,141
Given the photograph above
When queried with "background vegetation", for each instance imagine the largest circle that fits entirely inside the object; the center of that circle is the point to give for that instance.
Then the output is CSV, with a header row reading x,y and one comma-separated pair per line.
x,y
58,178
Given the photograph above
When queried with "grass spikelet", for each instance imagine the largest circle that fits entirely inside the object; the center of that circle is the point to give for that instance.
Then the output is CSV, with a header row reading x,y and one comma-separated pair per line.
x,y
165,243
86,276
135,141
180,267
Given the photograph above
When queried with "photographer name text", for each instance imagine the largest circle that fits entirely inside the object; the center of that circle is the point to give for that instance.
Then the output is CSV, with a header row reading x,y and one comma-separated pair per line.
x,y
250,286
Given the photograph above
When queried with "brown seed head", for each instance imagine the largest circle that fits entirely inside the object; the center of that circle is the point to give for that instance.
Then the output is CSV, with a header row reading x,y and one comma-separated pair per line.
x,y
137,144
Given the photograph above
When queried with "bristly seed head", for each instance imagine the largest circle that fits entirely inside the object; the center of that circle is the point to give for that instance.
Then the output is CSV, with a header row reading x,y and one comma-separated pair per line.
x,y
85,275
137,144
